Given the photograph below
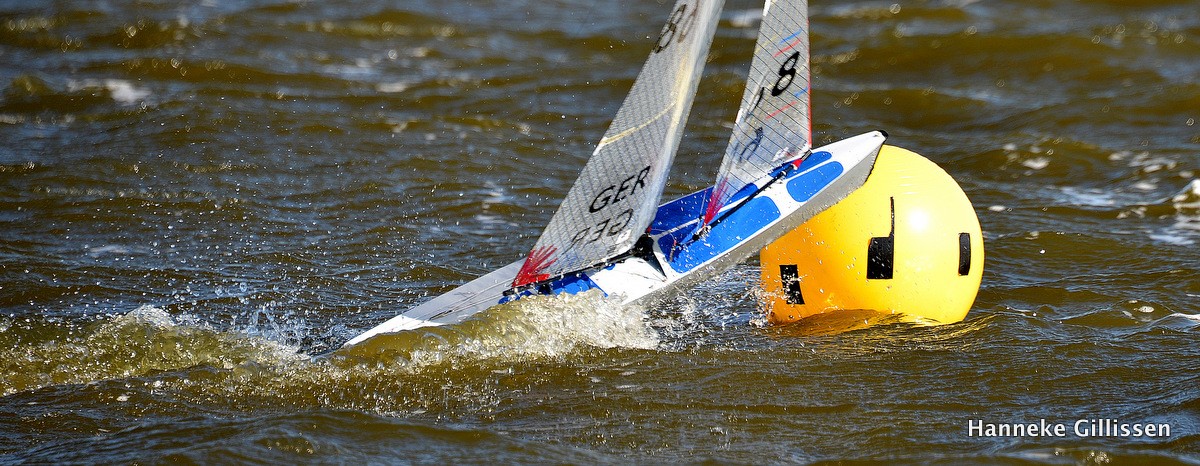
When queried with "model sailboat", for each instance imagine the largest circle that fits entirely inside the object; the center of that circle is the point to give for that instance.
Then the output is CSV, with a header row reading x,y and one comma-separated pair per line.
x,y
611,234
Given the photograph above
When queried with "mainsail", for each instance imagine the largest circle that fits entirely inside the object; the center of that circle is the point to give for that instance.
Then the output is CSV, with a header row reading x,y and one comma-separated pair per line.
x,y
774,119
617,193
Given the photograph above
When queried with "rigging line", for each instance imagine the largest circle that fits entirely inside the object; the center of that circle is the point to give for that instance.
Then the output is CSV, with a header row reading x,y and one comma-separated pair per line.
x,y
471,301
681,80
783,173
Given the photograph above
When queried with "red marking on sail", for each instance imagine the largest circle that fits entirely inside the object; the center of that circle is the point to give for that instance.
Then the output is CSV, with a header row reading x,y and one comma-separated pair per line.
x,y
789,47
789,105
798,39
714,203
777,112
531,270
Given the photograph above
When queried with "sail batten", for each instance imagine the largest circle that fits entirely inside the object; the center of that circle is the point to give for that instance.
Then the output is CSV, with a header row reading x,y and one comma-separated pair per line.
x,y
616,195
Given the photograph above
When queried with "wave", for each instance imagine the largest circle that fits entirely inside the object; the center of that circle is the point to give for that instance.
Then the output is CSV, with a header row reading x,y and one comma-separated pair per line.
x,y
538,327
149,340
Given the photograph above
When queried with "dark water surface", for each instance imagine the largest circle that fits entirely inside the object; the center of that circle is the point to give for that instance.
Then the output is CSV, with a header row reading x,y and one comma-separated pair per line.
x,y
194,196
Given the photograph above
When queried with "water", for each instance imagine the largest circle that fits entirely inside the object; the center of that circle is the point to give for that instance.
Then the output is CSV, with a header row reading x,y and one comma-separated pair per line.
x,y
195,196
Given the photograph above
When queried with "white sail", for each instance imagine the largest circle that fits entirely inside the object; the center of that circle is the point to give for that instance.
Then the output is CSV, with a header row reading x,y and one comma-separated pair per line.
x,y
616,195
774,121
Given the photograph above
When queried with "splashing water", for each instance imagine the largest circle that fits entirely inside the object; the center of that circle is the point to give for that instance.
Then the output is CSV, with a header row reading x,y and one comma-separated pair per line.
x,y
534,327
433,368
144,341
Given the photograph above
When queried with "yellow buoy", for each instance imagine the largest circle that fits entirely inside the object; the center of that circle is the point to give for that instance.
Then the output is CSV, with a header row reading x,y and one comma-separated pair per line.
x,y
907,242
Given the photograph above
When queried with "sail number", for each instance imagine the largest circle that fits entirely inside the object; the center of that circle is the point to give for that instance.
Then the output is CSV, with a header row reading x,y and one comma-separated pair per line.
x,y
618,192
787,76
613,225
745,151
786,70
678,26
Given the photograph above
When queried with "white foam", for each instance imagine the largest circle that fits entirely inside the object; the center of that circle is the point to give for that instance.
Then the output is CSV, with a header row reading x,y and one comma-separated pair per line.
x,y
109,249
120,90
1089,197
286,328
151,315
124,92
1177,240
1036,163
1187,217
1187,198
392,87
562,322
532,327
750,18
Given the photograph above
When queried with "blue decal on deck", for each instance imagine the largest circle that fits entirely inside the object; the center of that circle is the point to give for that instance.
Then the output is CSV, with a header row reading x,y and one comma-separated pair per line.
x,y
680,211
668,242
746,191
570,284
513,297
808,184
793,170
814,159
743,223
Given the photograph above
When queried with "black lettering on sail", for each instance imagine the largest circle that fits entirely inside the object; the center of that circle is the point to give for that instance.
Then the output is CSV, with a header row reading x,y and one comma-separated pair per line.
x,y
618,192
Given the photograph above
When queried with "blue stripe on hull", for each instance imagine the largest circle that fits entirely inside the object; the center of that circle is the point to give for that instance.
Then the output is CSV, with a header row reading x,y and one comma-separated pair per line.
x,y
748,220
741,224
814,159
679,212
570,284
804,187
